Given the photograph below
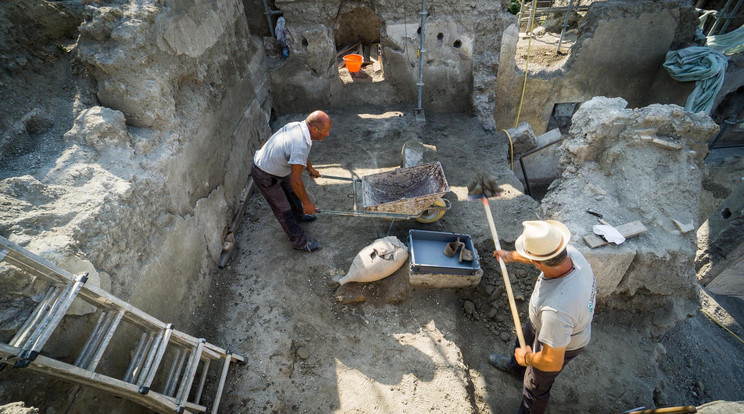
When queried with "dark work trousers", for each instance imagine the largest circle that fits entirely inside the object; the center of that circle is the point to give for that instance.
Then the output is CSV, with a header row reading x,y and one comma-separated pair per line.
x,y
537,384
284,203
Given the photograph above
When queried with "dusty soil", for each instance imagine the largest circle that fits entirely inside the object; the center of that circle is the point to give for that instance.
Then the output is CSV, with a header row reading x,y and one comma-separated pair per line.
x,y
416,350
401,349
540,51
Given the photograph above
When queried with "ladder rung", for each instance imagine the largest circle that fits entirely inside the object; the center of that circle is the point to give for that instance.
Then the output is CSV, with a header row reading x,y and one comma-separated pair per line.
x,y
137,357
93,339
147,358
203,379
38,313
106,340
223,376
48,324
148,373
189,373
175,372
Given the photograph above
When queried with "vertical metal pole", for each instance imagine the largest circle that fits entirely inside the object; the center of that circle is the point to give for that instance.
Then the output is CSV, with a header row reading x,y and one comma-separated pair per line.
x,y
520,16
526,180
420,82
268,14
730,16
531,20
565,25
719,17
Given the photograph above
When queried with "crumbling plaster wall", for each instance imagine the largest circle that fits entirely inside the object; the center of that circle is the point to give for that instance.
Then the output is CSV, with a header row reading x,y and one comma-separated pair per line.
x,y
720,258
619,53
151,174
459,66
191,82
644,165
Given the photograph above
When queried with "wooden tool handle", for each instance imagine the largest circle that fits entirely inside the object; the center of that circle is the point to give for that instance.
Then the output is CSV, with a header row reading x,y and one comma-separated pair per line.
x,y
666,410
507,283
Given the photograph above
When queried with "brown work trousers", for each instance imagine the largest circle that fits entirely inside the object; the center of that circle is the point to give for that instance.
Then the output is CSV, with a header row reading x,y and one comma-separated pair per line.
x,y
284,203
536,384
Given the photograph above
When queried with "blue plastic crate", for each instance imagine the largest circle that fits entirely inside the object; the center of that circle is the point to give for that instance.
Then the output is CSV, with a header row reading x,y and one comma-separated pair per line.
x,y
430,267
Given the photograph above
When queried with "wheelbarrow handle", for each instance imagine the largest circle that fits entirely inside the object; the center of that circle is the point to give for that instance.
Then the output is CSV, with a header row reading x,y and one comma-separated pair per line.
x,y
334,177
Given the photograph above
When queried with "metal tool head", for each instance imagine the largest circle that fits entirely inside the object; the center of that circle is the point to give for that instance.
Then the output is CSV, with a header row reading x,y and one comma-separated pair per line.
x,y
483,185
481,197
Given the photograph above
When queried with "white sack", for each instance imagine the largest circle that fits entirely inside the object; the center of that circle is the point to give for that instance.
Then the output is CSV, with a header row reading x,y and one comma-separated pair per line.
x,y
377,261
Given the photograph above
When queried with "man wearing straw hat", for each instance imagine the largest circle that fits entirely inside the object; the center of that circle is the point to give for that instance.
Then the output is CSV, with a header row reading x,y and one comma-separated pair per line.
x,y
277,171
561,310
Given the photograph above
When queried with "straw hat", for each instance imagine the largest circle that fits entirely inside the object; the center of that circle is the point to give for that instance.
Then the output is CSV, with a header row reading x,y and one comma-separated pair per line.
x,y
542,240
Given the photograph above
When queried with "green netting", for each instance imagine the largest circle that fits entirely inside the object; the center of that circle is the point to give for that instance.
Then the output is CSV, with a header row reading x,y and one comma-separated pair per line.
x,y
703,65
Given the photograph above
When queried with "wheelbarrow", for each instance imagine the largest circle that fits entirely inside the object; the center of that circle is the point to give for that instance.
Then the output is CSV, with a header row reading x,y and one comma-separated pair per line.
x,y
404,193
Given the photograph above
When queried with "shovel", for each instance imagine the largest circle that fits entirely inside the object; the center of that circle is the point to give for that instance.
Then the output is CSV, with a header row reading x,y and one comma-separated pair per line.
x,y
507,284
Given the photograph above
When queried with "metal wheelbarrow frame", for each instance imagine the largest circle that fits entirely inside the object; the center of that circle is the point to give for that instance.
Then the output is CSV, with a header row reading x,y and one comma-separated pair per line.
x,y
399,194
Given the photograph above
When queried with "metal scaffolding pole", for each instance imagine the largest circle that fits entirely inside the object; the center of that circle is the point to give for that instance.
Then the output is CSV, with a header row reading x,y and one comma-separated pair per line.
x,y
719,18
420,109
268,12
731,16
565,26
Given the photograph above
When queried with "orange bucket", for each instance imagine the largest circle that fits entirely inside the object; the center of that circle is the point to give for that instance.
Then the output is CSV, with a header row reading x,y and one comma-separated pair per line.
x,y
353,62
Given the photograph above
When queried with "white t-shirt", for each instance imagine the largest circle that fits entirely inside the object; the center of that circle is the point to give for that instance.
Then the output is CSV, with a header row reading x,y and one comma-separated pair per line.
x,y
562,309
289,145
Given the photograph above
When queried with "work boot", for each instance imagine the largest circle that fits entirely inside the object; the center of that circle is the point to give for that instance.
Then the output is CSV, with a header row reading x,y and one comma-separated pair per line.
x,y
310,246
503,363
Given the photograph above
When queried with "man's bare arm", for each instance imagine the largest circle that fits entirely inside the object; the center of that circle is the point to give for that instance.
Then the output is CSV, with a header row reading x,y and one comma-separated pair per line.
x,y
299,188
312,171
548,359
511,256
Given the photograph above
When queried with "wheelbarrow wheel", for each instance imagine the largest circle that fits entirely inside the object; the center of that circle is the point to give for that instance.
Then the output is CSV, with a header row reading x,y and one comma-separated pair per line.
x,y
432,215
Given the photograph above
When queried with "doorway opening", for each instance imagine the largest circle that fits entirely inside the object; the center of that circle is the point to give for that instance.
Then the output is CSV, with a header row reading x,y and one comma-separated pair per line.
x,y
561,116
357,32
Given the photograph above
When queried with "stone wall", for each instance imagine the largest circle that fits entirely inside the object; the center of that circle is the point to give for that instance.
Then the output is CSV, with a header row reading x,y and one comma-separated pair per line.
x,y
460,59
619,53
644,165
151,172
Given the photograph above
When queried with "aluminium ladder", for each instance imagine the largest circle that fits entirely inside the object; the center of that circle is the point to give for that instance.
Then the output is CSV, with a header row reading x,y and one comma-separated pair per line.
x,y
159,344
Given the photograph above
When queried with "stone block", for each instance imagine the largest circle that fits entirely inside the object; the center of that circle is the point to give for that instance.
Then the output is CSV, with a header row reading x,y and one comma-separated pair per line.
x,y
416,152
522,137
609,263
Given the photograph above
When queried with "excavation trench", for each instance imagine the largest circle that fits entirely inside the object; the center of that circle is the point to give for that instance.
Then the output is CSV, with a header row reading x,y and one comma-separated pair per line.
x,y
126,148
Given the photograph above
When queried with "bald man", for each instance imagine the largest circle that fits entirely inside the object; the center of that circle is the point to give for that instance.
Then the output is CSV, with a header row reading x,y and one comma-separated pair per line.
x,y
277,171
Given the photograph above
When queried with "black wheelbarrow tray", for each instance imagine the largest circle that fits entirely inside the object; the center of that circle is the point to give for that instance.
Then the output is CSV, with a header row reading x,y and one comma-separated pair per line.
x,y
403,193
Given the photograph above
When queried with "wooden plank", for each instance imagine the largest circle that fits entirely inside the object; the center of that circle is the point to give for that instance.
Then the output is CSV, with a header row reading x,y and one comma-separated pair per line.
x,y
366,53
346,49
228,246
376,57
628,230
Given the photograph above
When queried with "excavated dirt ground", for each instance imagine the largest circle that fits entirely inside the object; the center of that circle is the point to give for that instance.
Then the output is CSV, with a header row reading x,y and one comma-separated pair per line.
x,y
540,52
421,350
401,350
